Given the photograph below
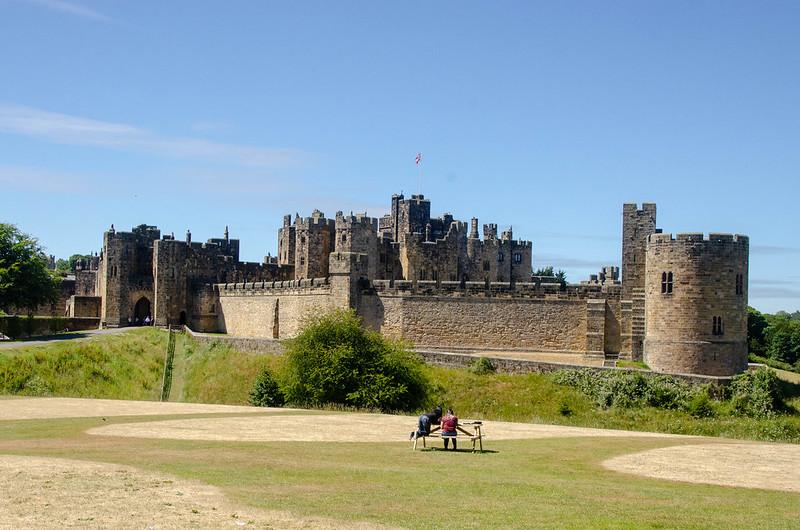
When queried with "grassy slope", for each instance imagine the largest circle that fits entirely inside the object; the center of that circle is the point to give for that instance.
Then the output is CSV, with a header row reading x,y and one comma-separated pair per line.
x,y
525,483
217,374
128,365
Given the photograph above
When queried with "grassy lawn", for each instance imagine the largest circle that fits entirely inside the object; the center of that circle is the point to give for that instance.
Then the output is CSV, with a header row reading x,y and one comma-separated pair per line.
x,y
525,483
521,484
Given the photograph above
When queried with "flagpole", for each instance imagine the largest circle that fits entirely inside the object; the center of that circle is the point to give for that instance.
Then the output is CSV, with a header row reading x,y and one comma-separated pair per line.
x,y
418,160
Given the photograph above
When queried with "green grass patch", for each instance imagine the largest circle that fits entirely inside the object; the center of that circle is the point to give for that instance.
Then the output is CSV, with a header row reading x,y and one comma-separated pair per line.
x,y
124,366
632,364
549,483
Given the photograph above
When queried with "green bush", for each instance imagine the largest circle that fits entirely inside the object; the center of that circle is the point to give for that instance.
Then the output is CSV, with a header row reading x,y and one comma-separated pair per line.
x,y
334,360
700,405
756,393
482,366
627,389
266,392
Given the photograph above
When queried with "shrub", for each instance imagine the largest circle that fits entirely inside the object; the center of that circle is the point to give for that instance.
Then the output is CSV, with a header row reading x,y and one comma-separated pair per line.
x,y
700,405
757,393
626,388
335,360
266,392
482,366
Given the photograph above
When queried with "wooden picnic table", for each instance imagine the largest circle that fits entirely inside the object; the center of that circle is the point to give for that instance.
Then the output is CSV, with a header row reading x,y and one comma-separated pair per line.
x,y
476,435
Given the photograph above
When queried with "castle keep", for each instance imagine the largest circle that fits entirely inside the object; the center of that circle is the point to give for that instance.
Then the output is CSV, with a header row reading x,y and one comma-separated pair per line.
x,y
681,305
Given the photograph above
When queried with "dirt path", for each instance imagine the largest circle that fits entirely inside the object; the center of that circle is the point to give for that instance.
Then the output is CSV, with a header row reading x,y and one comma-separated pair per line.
x,y
350,427
41,408
62,493
76,336
750,465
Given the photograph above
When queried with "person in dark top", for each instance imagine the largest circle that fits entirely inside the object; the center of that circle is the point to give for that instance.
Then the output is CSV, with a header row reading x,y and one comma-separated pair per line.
x,y
425,422
449,426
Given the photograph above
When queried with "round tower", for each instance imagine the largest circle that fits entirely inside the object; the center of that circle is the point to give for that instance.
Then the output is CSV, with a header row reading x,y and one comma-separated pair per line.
x,y
696,303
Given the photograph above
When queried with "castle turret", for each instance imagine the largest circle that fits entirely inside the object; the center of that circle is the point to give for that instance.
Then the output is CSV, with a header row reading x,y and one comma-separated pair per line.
x,y
358,234
286,242
637,225
696,303
314,241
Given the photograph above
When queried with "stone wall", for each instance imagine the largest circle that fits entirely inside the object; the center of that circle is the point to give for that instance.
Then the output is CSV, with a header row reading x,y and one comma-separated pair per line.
x,y
271,310
84,306
23,327
519,323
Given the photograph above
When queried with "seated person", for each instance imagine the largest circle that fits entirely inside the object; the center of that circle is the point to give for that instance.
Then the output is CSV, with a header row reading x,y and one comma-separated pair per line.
x,y
425,422
449,426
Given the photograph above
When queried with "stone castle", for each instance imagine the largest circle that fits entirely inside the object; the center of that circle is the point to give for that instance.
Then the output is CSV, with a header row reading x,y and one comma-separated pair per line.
x,y
681,305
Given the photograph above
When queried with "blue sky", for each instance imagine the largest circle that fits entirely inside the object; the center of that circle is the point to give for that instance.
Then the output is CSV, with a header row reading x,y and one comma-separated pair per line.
x,y
547,116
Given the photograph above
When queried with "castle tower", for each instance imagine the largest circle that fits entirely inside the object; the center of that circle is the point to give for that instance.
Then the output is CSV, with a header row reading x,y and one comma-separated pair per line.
x,y
358,234
412,216
314,241
637,224
125,275
696,303
286,242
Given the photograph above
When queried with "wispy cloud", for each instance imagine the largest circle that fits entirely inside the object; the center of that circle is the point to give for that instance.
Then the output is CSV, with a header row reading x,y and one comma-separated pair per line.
x,y
41,180
570,235
567,261
775,292
69,8
772,250
75,130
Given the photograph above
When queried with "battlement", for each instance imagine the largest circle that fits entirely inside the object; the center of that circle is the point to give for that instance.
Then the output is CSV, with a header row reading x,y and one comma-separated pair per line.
x,y
418,199
359,219
631,207
531,290
697,237
268,288
317,220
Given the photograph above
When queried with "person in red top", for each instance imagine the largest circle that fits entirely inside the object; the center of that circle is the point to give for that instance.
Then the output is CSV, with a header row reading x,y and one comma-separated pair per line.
x,y
449,425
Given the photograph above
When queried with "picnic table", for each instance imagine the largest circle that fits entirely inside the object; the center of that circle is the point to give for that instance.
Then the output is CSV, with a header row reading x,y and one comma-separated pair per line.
x,y
476,435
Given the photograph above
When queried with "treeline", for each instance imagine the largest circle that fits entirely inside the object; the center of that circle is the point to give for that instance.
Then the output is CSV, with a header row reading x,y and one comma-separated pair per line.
x,y
774,339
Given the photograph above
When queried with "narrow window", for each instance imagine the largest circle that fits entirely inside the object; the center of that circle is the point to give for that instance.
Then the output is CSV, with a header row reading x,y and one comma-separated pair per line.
x,y
716,328
517,257
740,284
344,238
486,266
302,260
666,282
500,256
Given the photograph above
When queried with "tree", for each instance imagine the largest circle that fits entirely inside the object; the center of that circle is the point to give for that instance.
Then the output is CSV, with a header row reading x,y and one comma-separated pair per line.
x,y
25,282
544,271
756,328
69,265
783,339
335,360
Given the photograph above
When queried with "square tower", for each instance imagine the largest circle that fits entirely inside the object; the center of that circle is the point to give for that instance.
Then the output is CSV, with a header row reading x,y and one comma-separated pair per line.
x,y
637,225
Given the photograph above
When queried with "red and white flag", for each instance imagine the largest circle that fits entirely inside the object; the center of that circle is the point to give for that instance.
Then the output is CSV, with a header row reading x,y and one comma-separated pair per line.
x,y
418,159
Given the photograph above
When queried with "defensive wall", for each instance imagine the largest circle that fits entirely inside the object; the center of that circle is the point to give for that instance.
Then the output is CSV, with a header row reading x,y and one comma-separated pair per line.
x,y
449,359
19,327
585,319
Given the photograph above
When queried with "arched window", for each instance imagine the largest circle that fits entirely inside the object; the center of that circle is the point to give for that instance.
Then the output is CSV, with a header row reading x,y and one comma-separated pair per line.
x,y
500,256
740,284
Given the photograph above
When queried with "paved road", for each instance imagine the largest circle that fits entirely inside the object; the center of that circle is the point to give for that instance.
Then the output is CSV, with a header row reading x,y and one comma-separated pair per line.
x,y
78,335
